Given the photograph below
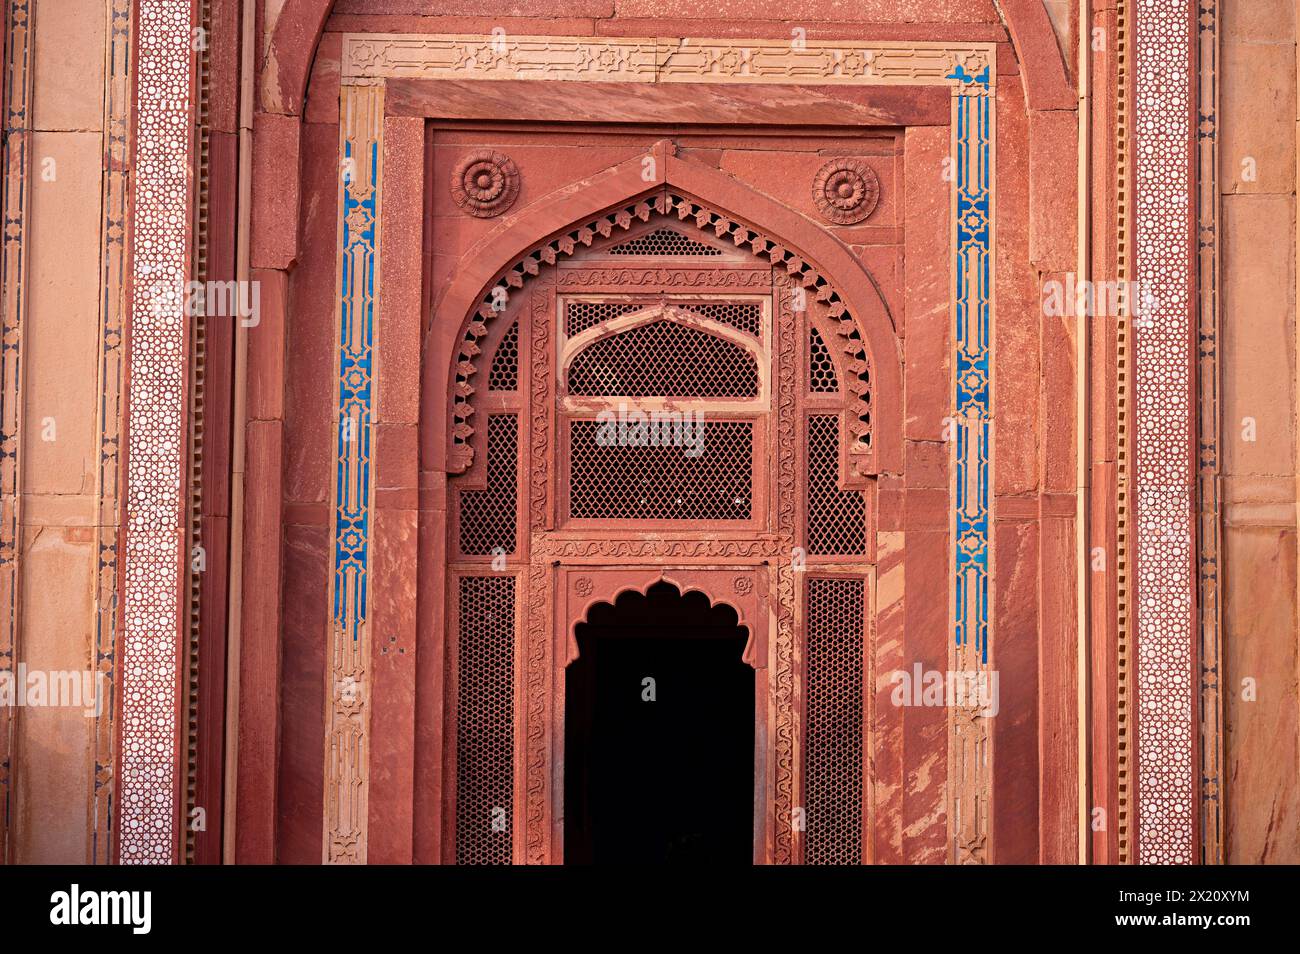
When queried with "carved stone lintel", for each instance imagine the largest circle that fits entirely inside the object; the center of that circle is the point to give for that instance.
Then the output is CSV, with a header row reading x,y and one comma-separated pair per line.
x,y
752,549
667,60
673,278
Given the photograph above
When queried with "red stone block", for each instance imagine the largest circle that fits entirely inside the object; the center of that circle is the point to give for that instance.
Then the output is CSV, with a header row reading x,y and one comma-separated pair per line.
x,y
927,635
223,59
259,659
431,658
266,346
396,459
887,749
275,190
1015,768
927,464
365,22
301,794
1018,312
1058,365
392,687
288,50
818,11
927,296
1058,694
311,359
398,332
322,104
434,8
1046,85
1053,190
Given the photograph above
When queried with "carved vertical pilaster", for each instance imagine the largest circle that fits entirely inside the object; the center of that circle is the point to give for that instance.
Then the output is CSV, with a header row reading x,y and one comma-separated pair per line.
x,y
970,651
154,551
17,139
538,635
1209,423
1164,470
347,689
784,686
112,320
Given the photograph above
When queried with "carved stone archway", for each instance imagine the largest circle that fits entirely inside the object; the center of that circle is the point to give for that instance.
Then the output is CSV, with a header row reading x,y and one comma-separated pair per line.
x,y
550,565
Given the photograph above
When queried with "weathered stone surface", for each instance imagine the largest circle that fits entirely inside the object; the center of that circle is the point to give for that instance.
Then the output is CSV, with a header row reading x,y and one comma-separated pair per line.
x,y
1015,810
68,68
275,190
393,688
55,767
61,338
926,285
1261,700
311,357
1258,117
1016,329
399,332
300,789
266,346
1259,382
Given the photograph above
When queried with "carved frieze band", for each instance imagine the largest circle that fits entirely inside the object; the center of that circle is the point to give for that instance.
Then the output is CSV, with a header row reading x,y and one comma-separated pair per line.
x,y
660,60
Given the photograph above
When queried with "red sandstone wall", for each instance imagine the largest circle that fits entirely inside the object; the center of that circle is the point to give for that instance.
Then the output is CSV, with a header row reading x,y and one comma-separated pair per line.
x,y
1034,477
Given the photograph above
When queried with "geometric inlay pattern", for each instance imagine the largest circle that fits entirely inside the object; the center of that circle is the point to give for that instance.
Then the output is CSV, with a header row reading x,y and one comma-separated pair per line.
x,y
1164,472
970,651
153,550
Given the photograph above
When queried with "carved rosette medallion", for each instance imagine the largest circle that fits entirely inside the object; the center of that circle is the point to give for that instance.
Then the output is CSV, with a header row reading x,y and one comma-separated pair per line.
x,y
846,191
485,183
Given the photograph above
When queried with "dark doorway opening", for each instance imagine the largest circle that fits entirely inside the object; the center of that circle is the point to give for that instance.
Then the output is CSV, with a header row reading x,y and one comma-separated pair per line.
x,y
661,771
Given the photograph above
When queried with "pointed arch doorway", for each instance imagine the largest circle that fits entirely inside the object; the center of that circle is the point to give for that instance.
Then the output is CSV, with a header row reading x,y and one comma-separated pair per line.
x,y
662,393
659,733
